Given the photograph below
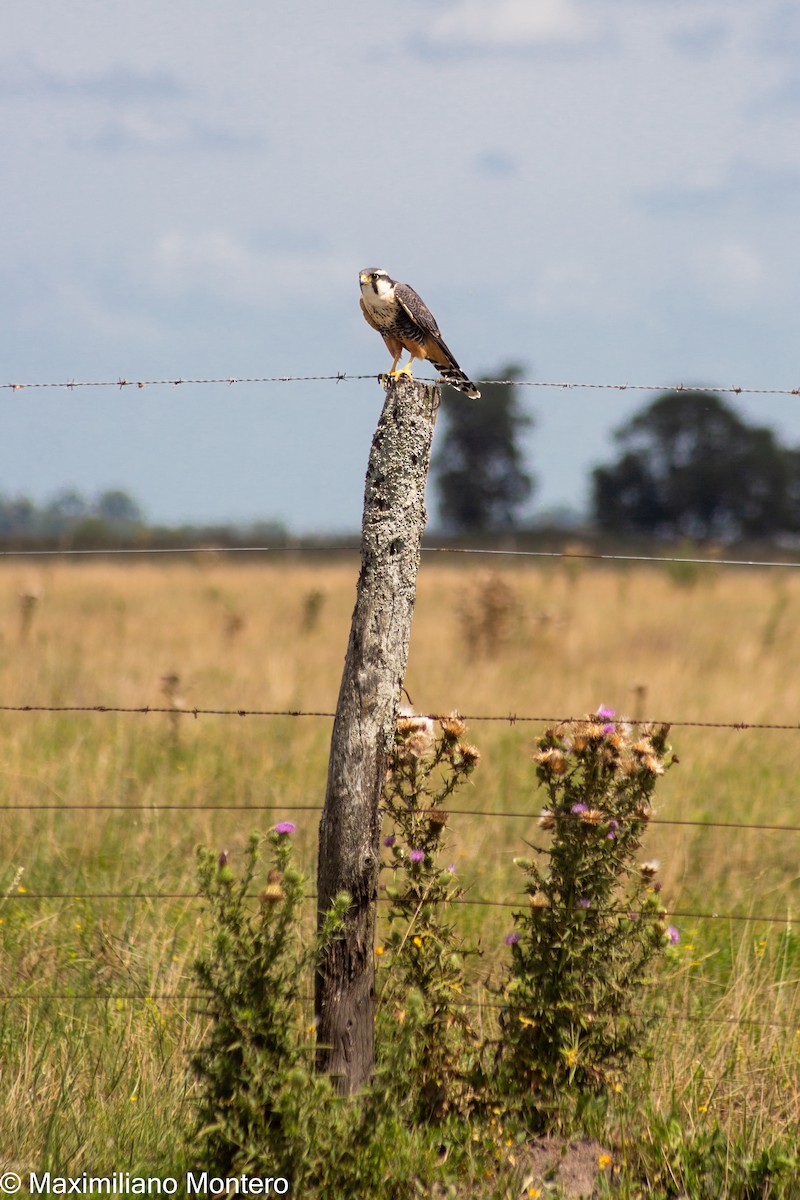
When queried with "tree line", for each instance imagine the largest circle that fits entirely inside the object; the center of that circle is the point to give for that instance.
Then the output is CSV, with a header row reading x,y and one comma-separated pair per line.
x,y
114,518
688,465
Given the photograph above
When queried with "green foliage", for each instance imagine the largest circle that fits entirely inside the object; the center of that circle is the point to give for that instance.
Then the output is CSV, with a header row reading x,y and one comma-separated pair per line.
x,y
573,1017
261,1108
703,1163
259,1095
426,1041
114,512
479,468
691,467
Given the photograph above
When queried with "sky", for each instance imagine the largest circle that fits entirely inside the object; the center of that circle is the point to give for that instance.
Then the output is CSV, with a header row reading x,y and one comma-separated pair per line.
x,y
604,191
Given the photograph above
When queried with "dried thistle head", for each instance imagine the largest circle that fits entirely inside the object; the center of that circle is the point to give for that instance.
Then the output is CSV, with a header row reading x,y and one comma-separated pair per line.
x,y
415,737
437,819
592,816
452,728
553,759
653,764
468,755
273,893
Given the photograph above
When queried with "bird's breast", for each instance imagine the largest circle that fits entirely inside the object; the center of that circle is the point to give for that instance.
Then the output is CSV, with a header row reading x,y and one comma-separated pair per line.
x,y
379,311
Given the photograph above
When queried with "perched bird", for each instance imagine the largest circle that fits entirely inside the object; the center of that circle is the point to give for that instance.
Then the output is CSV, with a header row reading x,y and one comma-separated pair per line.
x,y
405,322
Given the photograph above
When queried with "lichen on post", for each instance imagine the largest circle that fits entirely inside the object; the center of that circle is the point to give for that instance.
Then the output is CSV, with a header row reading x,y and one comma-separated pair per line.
x,y
375,665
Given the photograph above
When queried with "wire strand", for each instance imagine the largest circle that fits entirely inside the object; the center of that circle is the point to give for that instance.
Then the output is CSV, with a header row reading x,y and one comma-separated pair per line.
x,y
462,1002
504,718
122,382
588,555
317,808
463,901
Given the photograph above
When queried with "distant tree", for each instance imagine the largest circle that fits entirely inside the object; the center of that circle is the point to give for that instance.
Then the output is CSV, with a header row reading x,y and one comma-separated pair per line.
x,y
479,468
691,467
18,515
118,508
67,507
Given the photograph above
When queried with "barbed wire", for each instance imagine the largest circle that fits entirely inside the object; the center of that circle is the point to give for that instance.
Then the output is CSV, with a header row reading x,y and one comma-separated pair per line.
x,y
122,382
504,718
463,1002
462,901
288,806
597,556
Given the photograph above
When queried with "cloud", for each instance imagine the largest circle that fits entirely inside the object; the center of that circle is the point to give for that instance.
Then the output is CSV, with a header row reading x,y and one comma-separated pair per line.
x,y
732,274
469,27
251,273
126,109
701,39
778,32
137,129
117,85
743,186
496,164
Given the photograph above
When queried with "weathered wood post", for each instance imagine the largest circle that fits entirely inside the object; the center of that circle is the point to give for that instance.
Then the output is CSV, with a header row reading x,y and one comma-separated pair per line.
x,y
363,729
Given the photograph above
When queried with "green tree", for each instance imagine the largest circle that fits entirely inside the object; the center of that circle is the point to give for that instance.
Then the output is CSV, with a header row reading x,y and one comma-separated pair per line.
x,y
479,468
118,508
691,467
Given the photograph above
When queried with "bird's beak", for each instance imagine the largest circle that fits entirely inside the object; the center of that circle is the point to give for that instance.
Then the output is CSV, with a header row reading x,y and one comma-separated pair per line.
x,y
363,277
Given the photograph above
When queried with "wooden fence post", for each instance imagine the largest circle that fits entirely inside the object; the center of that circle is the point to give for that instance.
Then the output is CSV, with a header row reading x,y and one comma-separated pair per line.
x,y
363,730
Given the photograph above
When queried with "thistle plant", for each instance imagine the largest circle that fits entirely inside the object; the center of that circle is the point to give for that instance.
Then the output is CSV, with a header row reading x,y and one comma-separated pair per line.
x,y
425,1031
259,1099
574,1015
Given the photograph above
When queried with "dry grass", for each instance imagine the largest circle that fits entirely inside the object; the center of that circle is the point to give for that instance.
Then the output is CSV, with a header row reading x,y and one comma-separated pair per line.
x,y
719,646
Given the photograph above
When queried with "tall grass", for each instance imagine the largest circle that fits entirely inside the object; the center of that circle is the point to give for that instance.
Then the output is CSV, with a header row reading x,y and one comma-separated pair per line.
x,y
90,1082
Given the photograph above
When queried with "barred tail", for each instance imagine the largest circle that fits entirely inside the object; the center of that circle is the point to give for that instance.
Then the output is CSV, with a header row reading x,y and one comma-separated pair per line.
x,y
457,379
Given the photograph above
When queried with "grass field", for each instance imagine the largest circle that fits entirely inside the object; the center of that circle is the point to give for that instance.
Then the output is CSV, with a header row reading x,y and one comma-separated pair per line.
x,y
110,804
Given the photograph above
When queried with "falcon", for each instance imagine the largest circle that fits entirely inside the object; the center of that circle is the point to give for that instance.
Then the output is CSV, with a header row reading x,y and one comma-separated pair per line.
x,y
405,322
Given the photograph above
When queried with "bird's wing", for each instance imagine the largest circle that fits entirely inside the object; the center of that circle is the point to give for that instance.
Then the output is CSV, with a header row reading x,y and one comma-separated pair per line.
x,y
423,318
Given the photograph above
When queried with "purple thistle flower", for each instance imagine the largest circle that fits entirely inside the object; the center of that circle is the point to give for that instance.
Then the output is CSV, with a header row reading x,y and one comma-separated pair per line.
x,y
512,938
673,935
584,903
577,809
604,712
609,729
390,840
285,827
416,855
613,826
452,868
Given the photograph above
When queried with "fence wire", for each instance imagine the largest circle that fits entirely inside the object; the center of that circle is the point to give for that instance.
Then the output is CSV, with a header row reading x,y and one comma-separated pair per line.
x,y
122,382
462,901
463,1002
504,718
760,827
322,550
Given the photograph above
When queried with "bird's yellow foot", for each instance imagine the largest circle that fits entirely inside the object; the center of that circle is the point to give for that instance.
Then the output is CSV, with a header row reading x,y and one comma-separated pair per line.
x,y
395,373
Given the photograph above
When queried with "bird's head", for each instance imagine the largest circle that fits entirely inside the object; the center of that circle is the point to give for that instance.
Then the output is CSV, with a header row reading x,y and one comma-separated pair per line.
x,y
375,279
